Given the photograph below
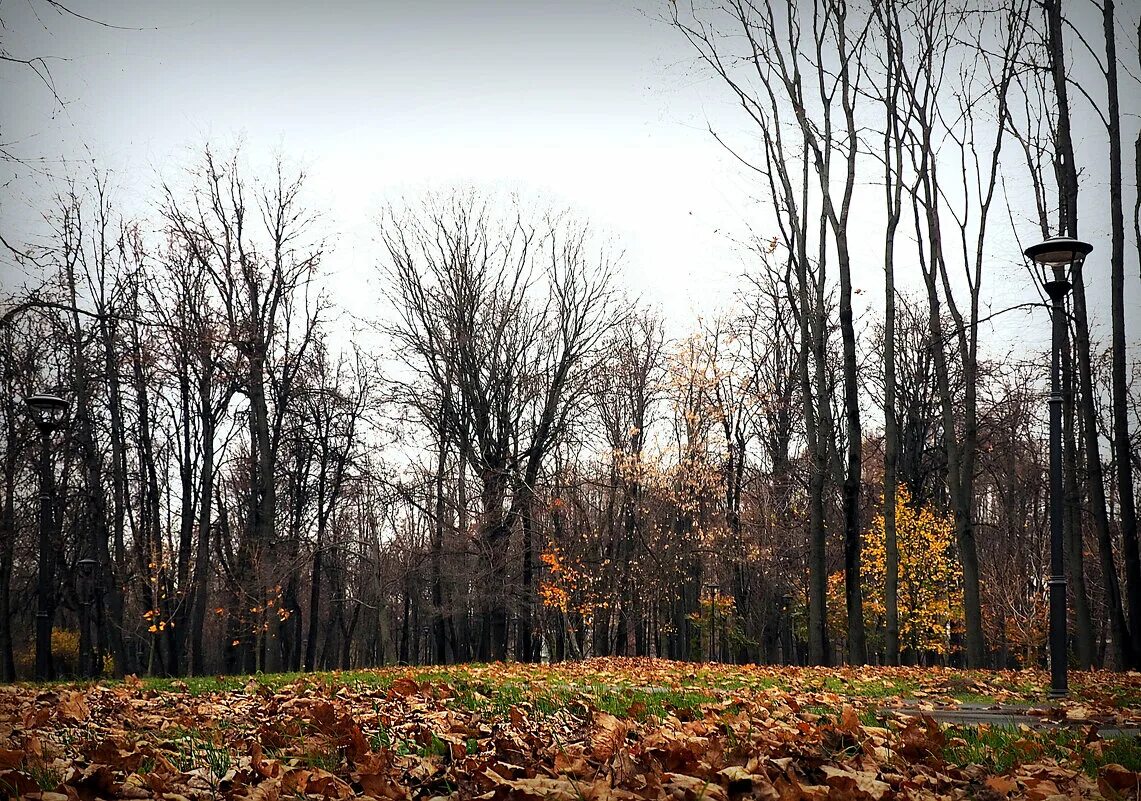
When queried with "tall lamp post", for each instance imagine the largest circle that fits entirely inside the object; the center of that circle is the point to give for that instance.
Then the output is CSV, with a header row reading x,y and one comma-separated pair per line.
x,y
48,412
1054,260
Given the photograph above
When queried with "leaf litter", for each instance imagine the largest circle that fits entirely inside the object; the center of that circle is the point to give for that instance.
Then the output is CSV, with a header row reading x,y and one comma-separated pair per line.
x,y
617,729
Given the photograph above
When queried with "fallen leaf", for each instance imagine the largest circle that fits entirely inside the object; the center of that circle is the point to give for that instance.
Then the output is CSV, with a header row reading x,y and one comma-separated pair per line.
x,y
607,735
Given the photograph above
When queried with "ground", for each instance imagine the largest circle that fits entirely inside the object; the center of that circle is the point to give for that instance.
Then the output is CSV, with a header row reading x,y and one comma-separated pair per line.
x,y
599,729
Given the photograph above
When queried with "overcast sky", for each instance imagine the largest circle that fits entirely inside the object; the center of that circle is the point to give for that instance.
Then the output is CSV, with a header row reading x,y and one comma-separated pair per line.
x,y
591,104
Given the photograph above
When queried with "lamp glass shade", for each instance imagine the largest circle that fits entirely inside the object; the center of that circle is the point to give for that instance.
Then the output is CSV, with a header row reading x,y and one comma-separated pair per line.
x,y
1058,253
48,410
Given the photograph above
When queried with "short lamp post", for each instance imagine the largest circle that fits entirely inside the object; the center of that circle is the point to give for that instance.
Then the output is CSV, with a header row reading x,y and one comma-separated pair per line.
x,y
48,412
1054,261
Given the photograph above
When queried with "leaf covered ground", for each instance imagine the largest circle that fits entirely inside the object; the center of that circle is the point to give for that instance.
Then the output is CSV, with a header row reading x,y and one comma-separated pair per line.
x,y
600,729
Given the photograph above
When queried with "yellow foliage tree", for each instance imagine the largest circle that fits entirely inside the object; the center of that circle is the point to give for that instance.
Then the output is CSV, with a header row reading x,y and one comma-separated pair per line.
x,y
930,578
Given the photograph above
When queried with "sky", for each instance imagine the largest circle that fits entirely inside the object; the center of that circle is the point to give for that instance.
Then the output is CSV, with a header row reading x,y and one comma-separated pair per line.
x,y
595,104
583,104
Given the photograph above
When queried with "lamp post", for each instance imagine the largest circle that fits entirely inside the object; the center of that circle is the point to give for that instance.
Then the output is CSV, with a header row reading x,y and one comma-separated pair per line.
x,y
48,413
1055,259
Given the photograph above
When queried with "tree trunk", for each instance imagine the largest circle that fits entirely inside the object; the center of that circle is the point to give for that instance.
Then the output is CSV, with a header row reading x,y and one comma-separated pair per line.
x,y
439,623
525,616
1122,445
205,501
893,180
1074,538
1095,482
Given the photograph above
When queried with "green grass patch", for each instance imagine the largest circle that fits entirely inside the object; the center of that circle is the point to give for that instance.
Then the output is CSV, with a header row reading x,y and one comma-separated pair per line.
x,y
324,758
197,685
1001,748
1124,751
190,749
545,698
974,698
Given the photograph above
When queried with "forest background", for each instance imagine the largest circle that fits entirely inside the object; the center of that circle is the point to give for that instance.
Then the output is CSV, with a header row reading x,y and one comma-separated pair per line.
x,y
341,412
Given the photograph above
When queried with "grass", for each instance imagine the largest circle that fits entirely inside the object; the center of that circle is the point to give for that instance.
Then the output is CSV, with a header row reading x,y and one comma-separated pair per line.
x,y
1000,748
548,698
190,749
962,686
46,776
1123,751
324,758
204,685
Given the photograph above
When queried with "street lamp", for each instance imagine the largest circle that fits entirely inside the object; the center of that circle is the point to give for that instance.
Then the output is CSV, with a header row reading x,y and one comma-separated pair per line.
x,y
48,412
1054,260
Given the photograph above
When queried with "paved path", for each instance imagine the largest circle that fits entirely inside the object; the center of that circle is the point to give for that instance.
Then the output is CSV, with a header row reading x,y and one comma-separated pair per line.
x,y
1008,716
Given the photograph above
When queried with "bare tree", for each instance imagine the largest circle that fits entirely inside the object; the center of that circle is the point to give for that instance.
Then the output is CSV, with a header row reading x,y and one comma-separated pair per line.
x,y
888,19
1121,440
823,108
505,316
259,250
952,215
629,387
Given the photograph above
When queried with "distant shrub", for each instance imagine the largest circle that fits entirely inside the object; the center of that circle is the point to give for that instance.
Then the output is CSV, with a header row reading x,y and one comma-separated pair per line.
x,y
65,653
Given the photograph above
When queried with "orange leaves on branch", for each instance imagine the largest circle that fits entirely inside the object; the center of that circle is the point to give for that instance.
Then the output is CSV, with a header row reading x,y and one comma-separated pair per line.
x,y
930,578
157,623
566,587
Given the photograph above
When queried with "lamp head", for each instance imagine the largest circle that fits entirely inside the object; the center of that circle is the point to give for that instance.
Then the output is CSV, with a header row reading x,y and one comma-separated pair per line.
x,y
48,411
1055,259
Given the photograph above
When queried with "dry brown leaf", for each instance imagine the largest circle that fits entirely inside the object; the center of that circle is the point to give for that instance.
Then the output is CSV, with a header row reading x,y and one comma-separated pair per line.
x,y
1115,780
572,765
269,790
607,735
404,686
855,784
1040,789
10,758
1003,785
72,706
680,787
849,720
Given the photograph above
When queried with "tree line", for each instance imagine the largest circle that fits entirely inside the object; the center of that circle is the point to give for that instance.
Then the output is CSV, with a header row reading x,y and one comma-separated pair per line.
x,y
516,458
